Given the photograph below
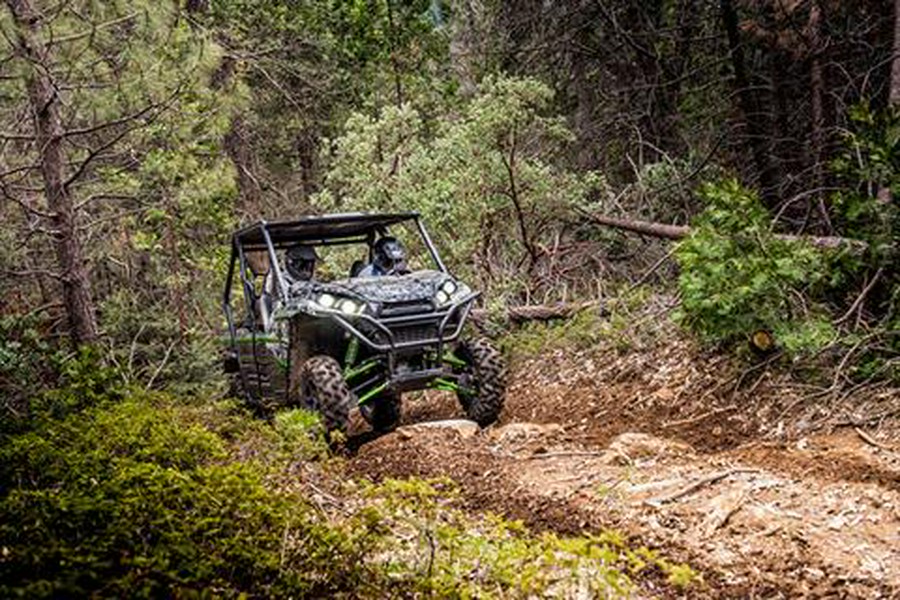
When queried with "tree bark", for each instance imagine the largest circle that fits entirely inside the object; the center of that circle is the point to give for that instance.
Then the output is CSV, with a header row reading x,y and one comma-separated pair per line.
x,y
49,136
677,232
537,312
817,93
755,132
894,95
884,192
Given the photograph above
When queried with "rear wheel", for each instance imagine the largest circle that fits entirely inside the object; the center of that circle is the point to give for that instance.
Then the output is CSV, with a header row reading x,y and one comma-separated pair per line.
x,y
482,381
326,392
258,374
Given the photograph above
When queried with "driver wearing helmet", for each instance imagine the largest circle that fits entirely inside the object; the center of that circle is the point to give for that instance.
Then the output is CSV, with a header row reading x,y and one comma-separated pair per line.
x,y
299,263
388,258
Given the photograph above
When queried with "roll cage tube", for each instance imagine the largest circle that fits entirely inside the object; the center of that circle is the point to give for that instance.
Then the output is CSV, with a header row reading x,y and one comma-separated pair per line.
x,y
226,296
264,241
430,245
276,267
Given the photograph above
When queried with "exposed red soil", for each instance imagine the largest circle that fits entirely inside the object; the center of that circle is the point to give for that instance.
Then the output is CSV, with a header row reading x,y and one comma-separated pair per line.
x,y
798,513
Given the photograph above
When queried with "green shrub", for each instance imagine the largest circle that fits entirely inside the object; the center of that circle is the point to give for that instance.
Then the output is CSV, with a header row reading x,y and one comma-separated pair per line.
x,y
442,552
39,381
535,338
737,277
140,498
488,180
25,367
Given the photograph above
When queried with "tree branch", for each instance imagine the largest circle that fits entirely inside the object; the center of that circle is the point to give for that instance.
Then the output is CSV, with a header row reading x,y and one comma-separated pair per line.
x,y
677,232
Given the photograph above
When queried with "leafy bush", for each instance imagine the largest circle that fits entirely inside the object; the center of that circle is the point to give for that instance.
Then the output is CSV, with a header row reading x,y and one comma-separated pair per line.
x,y
487,179
151,496
444,553
536,338
24,367
39,381
139,498
737,277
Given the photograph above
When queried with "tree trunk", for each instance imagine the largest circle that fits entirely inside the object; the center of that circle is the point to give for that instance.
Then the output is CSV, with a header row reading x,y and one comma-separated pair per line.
x,y
537,312
817,93
755,132
894,95
49,134
884,193
238,149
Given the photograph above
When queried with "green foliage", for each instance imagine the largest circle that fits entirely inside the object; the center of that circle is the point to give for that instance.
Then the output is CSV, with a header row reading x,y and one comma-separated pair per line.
x,y
485,179
622,323
151,496
736,277
583,330
301,432
151,344
139,498
867,209
84,381
871,161
456,556
24,367
39,382
145,118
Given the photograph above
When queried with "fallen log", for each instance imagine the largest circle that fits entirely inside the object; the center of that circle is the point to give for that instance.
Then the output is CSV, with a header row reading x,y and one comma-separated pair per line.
x,y
677,232
537,312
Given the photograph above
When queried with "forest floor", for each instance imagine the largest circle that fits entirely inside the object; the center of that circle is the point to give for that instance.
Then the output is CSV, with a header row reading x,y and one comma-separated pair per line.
x,y
766,488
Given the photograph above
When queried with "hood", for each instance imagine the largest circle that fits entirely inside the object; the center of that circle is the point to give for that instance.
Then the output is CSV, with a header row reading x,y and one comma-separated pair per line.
x,y
421,285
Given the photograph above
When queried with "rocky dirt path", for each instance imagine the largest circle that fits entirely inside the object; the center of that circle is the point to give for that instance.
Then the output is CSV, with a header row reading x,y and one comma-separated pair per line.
x,y
815,516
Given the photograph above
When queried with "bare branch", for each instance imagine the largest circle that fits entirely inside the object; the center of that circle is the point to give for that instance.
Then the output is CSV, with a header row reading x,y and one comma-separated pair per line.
x,y
121,120
95,197
93,30
16,137
94,153
31,273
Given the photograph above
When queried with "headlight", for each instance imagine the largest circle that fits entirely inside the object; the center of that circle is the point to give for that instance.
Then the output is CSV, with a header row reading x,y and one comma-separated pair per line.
x,y
349,307
345,305
326,301
450,291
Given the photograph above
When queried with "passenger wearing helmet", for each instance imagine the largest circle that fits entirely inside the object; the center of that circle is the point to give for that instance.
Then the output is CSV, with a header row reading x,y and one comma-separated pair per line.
x,y
388,258
299,263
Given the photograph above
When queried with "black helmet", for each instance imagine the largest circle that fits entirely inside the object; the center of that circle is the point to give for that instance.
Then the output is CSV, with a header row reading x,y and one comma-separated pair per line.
x,y
300,261
389,255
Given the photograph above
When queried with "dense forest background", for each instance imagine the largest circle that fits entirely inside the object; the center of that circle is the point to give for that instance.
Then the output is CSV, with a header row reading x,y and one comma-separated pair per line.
x,y
554,149
138,135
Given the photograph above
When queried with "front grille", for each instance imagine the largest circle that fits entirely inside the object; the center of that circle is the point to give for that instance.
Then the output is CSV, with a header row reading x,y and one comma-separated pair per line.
x,y
414,333
412,307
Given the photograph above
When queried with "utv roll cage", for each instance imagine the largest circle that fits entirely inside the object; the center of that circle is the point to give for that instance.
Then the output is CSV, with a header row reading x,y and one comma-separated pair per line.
x,y
326,230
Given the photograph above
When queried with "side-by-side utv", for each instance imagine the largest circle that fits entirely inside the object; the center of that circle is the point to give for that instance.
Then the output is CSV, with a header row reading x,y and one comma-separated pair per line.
x,y
359,337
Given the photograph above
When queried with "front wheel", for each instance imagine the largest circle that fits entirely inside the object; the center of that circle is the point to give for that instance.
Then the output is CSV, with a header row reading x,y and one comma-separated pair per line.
x,y
325,391
482,382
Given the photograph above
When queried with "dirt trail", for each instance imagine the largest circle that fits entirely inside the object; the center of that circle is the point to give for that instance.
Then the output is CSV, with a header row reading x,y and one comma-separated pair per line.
x,y
817,516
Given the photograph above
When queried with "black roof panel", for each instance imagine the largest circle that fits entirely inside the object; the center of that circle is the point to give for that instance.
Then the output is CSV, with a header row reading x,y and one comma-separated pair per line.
x,y
319,228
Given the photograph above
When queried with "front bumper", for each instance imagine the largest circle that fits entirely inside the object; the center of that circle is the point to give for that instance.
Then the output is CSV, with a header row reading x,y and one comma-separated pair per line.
x,y
392,334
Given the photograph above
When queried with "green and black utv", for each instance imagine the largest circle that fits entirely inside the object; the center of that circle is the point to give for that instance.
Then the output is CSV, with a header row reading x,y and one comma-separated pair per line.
x,y
346,337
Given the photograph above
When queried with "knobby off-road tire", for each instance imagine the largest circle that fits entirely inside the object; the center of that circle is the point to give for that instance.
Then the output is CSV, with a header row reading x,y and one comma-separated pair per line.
x,y
260,381
325,391
485,377
382,413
